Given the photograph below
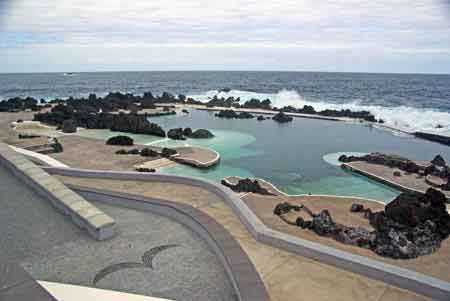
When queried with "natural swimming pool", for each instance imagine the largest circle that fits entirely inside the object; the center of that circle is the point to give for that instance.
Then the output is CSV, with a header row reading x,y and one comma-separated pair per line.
x,y
291,156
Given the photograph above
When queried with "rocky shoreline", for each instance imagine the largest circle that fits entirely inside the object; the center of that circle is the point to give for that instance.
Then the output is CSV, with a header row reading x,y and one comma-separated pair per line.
x,y
116,101
412,225
266,104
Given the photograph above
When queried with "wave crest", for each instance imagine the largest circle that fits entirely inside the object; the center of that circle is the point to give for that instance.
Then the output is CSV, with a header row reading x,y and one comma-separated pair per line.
x,y
401,117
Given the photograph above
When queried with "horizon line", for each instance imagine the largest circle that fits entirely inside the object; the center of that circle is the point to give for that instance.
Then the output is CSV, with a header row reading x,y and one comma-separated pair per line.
x,y
213,70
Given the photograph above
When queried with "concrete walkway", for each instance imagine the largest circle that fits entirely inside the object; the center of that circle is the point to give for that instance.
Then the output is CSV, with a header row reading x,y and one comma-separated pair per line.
x,y
287,276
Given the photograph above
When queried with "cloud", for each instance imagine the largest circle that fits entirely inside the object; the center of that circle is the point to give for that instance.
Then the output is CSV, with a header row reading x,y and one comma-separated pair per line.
x,y
387,27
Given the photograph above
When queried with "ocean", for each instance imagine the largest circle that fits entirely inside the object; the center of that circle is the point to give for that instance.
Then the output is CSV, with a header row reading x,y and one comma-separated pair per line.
x,y
407,101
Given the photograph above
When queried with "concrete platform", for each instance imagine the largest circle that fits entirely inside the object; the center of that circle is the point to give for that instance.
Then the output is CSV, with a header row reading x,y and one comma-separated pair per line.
x,y
385,174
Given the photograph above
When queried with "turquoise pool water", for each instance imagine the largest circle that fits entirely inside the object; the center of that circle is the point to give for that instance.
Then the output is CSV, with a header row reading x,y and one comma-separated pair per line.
x,y
299,157
231,145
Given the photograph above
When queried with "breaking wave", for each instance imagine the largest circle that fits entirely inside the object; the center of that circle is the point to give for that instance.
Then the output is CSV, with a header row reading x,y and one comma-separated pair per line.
x,y
400,117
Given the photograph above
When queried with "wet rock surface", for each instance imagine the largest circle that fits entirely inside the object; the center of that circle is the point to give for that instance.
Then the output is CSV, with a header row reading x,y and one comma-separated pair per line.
x,y
413,225
181,134
282,118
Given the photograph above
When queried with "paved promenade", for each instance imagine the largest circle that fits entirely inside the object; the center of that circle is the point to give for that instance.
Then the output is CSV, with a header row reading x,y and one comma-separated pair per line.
x,y
51,248
287,276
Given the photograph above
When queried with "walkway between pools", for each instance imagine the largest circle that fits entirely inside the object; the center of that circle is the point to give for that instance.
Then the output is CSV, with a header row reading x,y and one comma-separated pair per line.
x,y
290,267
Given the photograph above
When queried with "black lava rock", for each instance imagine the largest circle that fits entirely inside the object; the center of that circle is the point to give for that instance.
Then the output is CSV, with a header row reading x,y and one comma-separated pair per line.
x,y
168,152
412,225
438,161
176,134
323,224
356,208
69,126
120,140
148,152
134,151
232,114
143,169
122,152
247,185
187,132
282,118
201,134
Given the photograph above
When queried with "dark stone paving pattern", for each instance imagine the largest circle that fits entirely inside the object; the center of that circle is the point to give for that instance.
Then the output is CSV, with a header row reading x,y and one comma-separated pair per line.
x,y
48,246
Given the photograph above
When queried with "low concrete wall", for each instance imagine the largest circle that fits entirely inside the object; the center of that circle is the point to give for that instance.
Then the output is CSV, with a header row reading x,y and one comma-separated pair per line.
x,y
38,158
82,213
404,278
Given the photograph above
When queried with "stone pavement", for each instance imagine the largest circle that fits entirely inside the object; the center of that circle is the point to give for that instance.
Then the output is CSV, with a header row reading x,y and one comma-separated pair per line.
x,y
286,276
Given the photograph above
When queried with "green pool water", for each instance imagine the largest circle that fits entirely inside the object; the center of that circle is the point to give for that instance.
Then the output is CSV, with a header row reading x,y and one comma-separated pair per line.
x,y
299,157
233,146
229,144
353,185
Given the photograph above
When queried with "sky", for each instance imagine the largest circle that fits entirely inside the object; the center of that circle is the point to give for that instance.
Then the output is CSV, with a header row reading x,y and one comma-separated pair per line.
x,y
398,36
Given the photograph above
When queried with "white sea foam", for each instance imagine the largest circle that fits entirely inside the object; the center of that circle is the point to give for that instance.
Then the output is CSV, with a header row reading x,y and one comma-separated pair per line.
x,y
400,117
333,158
